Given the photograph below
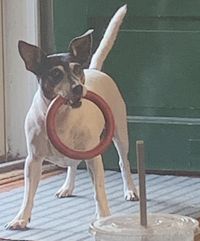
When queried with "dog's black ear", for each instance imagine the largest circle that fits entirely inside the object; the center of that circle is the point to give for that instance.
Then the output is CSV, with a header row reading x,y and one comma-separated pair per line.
x,y
32,55
81,47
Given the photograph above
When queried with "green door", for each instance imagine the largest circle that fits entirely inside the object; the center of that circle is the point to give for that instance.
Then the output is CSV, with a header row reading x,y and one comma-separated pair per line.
x,y
155,63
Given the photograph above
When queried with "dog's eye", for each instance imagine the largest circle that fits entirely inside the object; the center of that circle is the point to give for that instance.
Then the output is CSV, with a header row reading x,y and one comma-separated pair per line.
x,y
56,75
77,69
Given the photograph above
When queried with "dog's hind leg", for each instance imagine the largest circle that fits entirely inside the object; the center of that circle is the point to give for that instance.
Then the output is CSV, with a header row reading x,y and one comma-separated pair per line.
x,y
122,145
130,191
69,184
96,170
32,173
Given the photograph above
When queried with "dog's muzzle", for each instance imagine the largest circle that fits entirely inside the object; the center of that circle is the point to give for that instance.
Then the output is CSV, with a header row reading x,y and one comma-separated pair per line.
x,y
74,99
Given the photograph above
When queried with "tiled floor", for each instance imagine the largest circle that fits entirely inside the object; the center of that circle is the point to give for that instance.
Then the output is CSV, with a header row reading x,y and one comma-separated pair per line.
x,y
68,219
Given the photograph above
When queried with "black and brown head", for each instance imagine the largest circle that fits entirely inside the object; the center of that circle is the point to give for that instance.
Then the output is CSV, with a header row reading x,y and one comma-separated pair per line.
x,y
59,73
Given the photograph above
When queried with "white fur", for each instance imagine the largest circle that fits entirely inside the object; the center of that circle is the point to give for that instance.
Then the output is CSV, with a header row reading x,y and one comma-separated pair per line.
x,y
81,129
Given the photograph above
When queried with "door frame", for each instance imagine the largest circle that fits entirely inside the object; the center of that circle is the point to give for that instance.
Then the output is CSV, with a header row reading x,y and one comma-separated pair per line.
x,y
19,84
2,106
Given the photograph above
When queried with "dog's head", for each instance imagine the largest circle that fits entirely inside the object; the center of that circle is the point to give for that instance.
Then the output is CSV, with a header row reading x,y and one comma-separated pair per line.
x,y
60,73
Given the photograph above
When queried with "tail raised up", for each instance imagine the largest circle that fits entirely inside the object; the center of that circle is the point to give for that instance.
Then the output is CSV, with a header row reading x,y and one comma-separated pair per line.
x,y
108,39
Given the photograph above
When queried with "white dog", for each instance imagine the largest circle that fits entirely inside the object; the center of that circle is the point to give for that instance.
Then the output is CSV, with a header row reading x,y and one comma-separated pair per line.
x,y
79,125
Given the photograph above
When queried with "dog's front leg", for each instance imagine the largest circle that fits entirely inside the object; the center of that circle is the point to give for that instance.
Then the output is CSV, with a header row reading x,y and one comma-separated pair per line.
x,y
32,173
96,170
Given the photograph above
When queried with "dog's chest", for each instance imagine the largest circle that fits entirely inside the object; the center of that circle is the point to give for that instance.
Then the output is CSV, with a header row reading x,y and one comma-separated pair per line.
x,y
75,134
80,128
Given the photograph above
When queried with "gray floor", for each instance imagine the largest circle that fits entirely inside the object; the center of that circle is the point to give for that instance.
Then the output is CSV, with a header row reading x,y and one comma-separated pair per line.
x,y
68,219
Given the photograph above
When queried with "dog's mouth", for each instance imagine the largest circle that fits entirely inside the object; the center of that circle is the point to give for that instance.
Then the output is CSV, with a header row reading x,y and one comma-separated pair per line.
x,y
75,102
74,98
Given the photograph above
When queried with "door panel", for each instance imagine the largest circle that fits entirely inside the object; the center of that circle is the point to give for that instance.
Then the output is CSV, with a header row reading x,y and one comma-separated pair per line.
x,y
155,62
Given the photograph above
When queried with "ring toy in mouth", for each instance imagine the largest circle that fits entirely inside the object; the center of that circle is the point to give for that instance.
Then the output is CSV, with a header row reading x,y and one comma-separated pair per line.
x,y
75,154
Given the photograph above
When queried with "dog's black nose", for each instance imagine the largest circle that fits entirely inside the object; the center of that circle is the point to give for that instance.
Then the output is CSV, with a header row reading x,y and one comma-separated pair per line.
x,y
78,90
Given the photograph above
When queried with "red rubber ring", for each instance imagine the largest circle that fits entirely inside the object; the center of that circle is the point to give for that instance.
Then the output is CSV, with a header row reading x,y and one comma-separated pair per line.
x,y
74,154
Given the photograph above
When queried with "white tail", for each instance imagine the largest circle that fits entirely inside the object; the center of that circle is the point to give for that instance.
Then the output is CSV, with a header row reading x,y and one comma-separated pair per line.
x,y
108,40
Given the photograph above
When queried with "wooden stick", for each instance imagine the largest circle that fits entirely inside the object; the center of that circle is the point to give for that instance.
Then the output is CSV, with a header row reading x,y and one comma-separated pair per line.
x,y
142,182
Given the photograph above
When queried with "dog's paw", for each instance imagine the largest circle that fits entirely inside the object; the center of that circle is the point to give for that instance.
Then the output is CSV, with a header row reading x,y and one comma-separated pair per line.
x,y
62,193
131,196
20,224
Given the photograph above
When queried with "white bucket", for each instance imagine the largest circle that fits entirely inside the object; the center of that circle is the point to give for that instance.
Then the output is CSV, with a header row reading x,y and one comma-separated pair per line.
x,y
161,227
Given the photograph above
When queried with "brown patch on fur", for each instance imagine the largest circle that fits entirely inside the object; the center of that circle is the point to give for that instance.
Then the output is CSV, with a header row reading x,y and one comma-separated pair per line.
x,y
48,89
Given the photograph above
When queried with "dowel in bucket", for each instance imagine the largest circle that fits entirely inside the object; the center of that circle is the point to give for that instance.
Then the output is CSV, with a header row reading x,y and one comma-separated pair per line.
x,y
142,182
